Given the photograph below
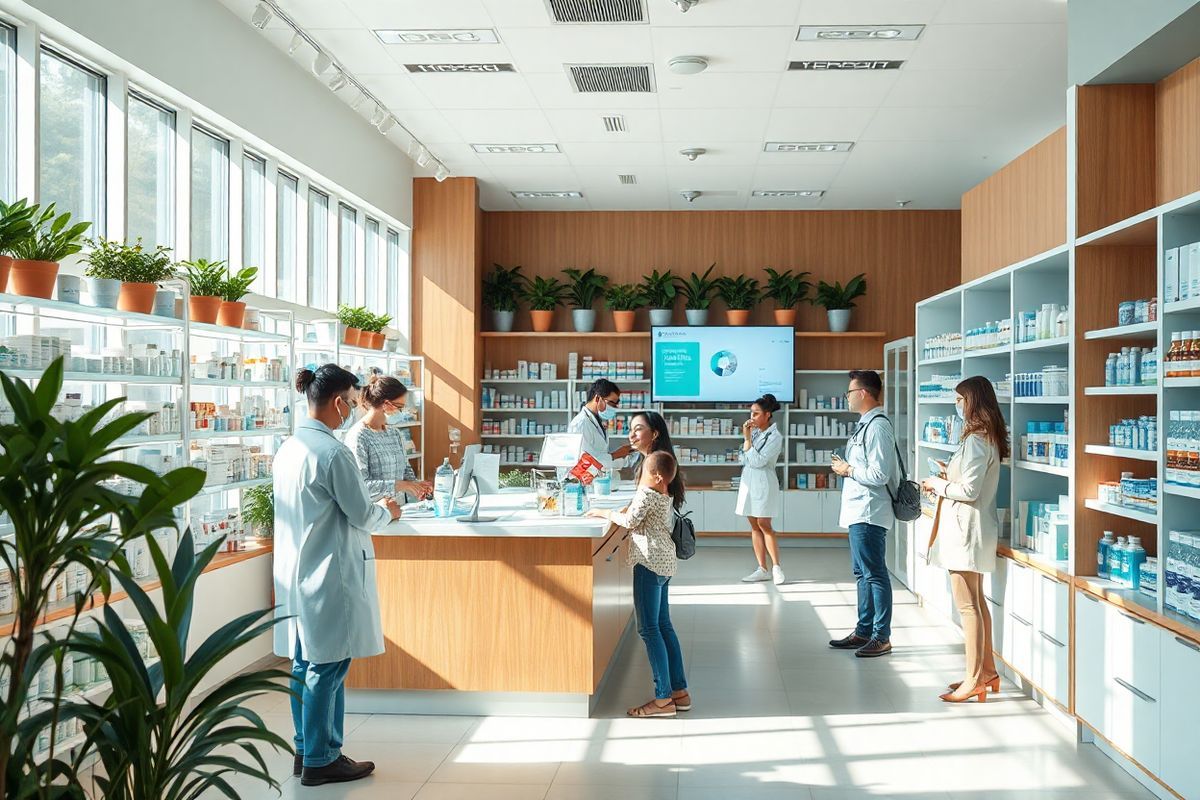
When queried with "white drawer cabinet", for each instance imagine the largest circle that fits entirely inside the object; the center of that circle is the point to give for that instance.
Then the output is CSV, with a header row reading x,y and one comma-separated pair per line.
x,y
1019,599
802,512
1179,766
1133,651
831,512
694,504
1051,638
1018,618
718,513
1090,681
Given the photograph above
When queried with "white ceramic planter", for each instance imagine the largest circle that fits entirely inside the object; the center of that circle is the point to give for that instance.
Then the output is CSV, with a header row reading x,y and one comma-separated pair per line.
x,y
164,303
68,288
584,319
661,316
503,320
697,316
104,292
839,319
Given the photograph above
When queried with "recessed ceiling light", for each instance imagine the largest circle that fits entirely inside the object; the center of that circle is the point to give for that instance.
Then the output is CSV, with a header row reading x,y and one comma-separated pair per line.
x,y
439,36
787,193
684,5
687,65
842,33
808,147
546,195
515,148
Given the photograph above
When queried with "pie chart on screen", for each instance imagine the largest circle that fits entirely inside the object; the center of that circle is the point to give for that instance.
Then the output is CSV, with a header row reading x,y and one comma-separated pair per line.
x,y
723,363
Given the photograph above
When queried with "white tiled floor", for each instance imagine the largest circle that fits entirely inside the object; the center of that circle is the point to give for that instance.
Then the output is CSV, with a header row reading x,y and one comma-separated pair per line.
x,y
777,716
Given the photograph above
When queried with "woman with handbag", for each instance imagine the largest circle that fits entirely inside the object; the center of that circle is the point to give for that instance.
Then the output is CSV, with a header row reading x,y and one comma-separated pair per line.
x,y
758,492
967,528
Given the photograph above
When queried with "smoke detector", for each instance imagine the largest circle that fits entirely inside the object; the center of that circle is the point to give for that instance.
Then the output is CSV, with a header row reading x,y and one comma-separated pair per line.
x,y
684,5
687,65
690,196
692,153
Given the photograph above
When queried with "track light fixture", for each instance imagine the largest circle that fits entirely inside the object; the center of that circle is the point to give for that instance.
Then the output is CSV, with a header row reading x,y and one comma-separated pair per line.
x,y
388,123
321,63
441,173
338,82
262,15
295,43
358,101
423,157
378,115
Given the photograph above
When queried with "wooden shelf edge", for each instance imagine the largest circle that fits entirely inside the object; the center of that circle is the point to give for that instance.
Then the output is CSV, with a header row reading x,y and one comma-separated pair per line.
x,y
1006,551
1138,610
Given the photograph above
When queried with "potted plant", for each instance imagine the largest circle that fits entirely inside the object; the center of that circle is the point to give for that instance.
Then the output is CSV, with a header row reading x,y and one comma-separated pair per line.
x,y
501,290
582,291
135,271
372,327
51,238
16,225
740,295
786,289
232,313
543,295
258,510
838,300
204,278
351,319
624,299
697,292
659,291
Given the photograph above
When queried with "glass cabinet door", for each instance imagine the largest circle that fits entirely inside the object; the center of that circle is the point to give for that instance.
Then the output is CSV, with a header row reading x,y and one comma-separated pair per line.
x,y
898,403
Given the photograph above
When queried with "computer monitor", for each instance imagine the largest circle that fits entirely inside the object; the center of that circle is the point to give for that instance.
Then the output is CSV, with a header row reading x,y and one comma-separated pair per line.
x,y
462,483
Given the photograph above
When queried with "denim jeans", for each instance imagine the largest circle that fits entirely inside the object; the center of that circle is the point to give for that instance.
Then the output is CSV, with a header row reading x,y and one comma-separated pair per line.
x,y
318,708
653,612
867,557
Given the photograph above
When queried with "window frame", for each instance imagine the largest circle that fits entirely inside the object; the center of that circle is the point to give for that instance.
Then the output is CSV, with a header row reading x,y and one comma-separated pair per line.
x,y
260,280
198,126
328,243
136,95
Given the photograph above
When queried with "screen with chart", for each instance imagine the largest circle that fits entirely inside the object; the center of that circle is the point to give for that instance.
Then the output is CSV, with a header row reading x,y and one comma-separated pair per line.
x,y
725,364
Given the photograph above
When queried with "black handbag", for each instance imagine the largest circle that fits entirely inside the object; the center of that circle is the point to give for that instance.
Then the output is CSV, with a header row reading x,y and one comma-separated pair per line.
x,y
683,533
906,500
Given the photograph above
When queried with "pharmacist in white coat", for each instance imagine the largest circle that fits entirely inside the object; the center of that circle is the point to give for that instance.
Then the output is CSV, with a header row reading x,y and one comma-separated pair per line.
x,y
758,493
325,572
603,401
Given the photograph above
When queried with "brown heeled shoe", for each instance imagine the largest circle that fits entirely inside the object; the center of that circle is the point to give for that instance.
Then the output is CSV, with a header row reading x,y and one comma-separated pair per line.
x,y
993,685
980,694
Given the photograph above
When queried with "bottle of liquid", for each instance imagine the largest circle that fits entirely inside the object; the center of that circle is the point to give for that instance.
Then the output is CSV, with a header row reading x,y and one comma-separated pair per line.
x,y
1115,560
1102,550
1173,447
1135,556
1193,362
443,489
1060,322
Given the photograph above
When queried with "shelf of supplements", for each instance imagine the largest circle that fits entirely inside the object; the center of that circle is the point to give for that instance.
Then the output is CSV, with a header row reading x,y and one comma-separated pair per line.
x,y
233,487
951,359
947,399
219,383
792,410
526,411
990,352
257,432
1122,511
93,377
1045,401
1059,343
1142,331
947,448
1049,469
137,440
76,312
519,381
513,435
1121,452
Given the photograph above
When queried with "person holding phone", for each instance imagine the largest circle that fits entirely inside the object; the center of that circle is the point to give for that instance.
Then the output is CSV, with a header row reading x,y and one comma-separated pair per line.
x,y
378,445
758,492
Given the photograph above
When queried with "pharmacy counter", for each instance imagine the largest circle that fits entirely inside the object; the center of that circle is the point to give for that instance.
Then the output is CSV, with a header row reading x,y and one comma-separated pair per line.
x,y
519,616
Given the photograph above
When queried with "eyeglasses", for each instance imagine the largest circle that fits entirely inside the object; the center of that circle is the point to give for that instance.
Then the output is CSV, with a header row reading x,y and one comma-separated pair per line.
x,y
614,403
846,394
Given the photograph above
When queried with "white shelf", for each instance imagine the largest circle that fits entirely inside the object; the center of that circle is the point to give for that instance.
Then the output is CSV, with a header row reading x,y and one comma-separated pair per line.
x,y
1181,491
531,381
925,362
734,464
95,377
1179,306
820,411
1181,383
1120,391
229,384
812,465
1063,400
97,315
413,424
206,331
705,410
949,448
513,435
936,401
1059,343
156,438
1121,511
524,411
1049,469
415,456
232,487
207,434
819,438
365,352
1002,350
694,436
1121,452
1142,330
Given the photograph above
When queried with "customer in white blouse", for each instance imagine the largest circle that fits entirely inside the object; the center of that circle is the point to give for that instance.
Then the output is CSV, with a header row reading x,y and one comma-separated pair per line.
x,y
758,492
378,445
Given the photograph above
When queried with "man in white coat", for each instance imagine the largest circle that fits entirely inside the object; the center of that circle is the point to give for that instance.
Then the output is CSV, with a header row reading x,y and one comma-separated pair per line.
x,y
325,572
603,401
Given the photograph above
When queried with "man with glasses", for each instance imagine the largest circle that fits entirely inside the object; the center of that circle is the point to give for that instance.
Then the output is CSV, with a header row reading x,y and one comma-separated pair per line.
x,y
869,468
603,402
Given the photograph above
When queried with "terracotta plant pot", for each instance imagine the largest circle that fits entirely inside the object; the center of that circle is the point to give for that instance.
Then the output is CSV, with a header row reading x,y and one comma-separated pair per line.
x,y
785,316
372,340
5,266
542,320
623,320
231,315
32,278
351,337
738,316
137,297
204,308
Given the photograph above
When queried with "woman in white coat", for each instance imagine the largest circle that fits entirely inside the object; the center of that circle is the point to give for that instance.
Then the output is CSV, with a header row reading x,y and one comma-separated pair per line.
x,y
758,494
967,528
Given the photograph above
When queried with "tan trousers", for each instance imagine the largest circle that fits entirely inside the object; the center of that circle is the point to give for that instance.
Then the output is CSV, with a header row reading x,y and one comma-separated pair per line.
x,y
977,629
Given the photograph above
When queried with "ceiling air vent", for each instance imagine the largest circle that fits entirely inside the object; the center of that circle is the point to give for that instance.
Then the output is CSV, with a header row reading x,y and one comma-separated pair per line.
x,y
604,78
627,180
614,124
604,11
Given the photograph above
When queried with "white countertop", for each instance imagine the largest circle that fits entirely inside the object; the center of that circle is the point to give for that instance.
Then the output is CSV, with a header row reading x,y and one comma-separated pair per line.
x,y
517,517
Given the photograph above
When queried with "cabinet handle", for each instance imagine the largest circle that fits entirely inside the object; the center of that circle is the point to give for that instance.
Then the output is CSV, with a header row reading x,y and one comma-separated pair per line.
x,y
1136,691
1187,644
1053,580
1050,638
1089,597
1138,620
613,553
1022,620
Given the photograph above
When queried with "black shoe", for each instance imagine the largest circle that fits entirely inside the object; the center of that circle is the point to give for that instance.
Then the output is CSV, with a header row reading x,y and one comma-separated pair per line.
x,y
874,649
851,642
298,765
342,770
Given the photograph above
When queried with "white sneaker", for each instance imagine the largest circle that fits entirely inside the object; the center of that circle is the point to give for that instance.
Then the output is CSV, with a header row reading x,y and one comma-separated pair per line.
x,y
758,576
777,575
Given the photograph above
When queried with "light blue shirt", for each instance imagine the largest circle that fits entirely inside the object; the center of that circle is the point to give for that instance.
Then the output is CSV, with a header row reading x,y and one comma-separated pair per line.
x,y
324,560
871,453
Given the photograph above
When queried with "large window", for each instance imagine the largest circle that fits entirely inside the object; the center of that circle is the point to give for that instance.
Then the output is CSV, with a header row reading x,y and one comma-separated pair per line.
x,y
71,161
396,272
151,168
318,250
374,269
8,113
347,268
254,217
287,266
210,196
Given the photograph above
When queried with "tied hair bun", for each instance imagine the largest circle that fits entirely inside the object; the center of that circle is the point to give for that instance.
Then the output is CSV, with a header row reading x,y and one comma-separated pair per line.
x,y
304,379
768,403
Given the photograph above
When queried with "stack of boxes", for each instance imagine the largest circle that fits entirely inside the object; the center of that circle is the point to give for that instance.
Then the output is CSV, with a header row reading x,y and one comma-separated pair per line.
x,y
1044,528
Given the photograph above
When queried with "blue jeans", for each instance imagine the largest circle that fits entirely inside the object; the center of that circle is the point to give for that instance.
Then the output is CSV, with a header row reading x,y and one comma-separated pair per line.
x,y
653,612
867,557
318,708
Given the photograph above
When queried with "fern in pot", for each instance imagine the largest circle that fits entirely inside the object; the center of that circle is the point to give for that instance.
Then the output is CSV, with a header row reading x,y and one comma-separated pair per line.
x,y
351,320
787,289
258,510
659,291
372,327
838,300
232,313
501,290
740,295
697,291
543,295
583,288
624,299
132,270
51,238
204,279
16,225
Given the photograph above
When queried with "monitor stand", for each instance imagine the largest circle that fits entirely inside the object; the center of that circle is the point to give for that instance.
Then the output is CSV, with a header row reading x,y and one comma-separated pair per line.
x,y
473,517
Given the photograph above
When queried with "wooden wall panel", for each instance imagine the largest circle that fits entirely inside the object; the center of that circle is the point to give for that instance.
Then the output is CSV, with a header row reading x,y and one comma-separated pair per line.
x,y
1019,211
1115,154
1177,110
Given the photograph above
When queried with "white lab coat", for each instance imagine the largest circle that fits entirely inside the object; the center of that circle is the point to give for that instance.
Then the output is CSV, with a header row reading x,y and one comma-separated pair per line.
x,y
595,438
758,494
324,560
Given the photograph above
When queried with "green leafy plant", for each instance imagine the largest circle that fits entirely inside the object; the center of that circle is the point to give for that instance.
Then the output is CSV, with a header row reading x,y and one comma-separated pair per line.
x,y
697,290
51,237
128,263
235,287
72,506
786,288
204,277
16,224
179,746
353,316
502,288
374,323
584,287
543,294
258,509
624,297
839,297
514,478
740,293
659,289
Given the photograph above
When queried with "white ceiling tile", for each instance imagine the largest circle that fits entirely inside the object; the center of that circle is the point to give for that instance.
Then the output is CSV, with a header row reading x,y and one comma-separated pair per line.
x,y
397,92
818,124
548,49
724,13
519,13
402,54
504,90
793,176
619,155
989,11
719,125
965,88
524,177
1005,47
829,89
871,12
588,126
428,125
321,14
359,51
501,127
984,127
553,90
409,15
717,90
801,160
710,177
719,153
727,49
520,163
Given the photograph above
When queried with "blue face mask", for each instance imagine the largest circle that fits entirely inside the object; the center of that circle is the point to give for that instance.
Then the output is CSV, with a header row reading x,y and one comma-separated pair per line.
x,y
348,420
608,413
958,409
